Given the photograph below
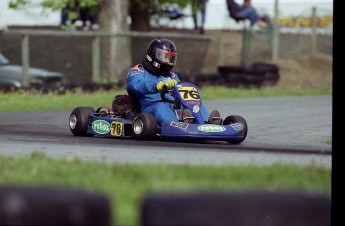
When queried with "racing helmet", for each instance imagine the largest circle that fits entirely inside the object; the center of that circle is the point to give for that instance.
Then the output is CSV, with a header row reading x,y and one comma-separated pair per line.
x,y
161,54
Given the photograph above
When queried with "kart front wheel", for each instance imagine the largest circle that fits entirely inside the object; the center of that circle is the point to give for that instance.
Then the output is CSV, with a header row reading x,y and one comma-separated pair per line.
x,y
145,126
79,119
236,119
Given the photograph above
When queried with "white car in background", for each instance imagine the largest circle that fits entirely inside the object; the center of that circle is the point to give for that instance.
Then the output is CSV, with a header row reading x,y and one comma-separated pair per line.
x,y
12,75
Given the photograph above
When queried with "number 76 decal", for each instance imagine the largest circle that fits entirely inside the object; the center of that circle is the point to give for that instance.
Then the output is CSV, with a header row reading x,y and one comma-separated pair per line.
x,y
116,128
189,93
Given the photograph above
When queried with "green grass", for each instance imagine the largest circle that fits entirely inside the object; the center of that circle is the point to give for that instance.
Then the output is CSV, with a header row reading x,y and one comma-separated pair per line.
x,y
35,101
216,92
127,184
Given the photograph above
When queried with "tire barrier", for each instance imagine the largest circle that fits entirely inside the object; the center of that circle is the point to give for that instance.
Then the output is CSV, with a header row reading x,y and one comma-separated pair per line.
x,y
238,209
257,75
61,206
52,206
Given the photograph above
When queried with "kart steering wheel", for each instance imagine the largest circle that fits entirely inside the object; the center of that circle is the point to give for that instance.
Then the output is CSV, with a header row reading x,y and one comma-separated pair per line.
x,y
163,92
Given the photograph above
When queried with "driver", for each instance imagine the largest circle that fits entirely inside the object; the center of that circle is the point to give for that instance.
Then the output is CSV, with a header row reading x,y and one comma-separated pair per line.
x,y
146,80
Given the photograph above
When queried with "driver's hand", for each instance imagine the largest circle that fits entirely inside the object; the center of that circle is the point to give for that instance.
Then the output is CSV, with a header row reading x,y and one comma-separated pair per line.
x,y
168,83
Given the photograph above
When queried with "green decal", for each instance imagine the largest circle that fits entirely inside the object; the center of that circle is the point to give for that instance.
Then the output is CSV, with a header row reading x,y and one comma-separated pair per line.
x,y
211,128
101,126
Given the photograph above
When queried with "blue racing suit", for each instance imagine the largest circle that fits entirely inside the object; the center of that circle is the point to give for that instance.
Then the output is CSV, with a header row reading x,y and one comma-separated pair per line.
x,y
142,84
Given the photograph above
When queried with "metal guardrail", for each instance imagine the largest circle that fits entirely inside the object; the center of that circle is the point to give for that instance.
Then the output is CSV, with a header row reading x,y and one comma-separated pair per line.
x,y
96,49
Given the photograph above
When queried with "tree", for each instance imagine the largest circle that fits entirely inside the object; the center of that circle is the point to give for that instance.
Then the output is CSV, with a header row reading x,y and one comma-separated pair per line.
x,y
137,10
140,11
115,52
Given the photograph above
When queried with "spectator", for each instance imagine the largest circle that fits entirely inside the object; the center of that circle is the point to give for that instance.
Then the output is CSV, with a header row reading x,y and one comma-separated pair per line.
x,y
247,11
73,12
199,5
89,17
68,18
174,13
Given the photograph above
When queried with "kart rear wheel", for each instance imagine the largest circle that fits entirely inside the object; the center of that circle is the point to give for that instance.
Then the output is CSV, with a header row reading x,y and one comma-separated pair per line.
x,y
79,119
235,119
145,126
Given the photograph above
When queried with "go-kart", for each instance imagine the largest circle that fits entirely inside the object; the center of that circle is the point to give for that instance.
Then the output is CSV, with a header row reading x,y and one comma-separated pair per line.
x,y
124,119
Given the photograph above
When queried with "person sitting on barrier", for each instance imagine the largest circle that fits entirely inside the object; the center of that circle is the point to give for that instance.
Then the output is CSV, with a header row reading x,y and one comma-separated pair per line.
x,y
247,11
199,5
145,82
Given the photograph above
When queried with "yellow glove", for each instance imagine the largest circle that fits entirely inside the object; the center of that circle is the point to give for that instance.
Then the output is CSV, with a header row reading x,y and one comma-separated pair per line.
x,y
169,84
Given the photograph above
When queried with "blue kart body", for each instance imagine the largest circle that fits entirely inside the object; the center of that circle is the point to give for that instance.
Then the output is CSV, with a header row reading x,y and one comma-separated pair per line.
x,y
121,128
105,123
187,95
186,131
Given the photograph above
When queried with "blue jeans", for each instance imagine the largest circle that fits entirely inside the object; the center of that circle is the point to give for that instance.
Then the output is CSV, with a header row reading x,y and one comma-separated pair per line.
x,y
203,18
250,13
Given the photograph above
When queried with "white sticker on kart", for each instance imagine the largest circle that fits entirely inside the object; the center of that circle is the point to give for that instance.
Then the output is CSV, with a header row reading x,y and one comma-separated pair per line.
x,y
180,125
101,126
211,128
196,109
237,126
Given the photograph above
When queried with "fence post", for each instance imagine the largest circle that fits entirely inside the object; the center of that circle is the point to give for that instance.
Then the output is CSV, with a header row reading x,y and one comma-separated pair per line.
x,y
246,44
95,59
313,32
25,59
221,51
275,38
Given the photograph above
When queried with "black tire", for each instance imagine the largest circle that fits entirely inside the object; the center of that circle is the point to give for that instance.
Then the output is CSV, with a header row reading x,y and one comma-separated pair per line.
x,y
270,71
79,119
264,67
235,119
145,127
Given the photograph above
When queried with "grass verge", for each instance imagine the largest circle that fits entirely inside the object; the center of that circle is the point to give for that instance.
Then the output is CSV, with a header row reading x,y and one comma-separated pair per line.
x,y
36,101
127,184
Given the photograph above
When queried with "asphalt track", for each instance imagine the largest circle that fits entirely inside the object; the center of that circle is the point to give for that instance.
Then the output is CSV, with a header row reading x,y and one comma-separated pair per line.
x,y
290,130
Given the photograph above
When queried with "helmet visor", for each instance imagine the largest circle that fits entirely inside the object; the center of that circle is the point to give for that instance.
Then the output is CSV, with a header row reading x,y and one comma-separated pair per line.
x,y
166,57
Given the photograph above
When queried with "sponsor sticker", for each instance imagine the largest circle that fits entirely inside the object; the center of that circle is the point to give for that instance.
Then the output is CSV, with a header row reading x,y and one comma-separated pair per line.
x,y
188,93
180,125
101,126
157,65
116,129
196,109
211,128
193,102
237,126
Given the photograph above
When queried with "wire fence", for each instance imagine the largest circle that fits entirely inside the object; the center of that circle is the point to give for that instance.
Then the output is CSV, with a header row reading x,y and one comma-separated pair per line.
x,y
79,54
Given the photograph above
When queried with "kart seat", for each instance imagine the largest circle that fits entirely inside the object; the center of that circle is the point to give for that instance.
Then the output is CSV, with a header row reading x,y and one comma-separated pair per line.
x,y
124,103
